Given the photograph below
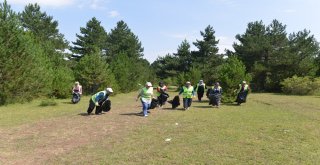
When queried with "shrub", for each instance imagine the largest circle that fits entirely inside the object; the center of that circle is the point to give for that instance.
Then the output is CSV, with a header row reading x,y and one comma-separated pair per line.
x,y
301,86
231,73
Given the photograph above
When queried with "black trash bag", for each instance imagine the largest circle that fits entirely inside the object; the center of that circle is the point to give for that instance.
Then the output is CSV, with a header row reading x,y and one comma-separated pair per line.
x,y
175,102
242,97
162,99
214,99
106,106
75,98
154,104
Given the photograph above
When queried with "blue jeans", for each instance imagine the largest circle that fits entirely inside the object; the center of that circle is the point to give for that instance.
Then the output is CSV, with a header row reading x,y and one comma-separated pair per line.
x,y
145,107
187,102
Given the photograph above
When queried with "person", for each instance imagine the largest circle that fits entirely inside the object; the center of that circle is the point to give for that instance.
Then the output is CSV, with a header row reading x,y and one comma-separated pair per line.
x,y
162,94
77,88
215,95
242,92
187,92
146,95
76,92
200,88
98,99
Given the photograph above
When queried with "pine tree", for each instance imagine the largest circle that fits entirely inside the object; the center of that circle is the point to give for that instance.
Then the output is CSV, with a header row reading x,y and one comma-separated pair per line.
x,y
94,74
24,68
92,36
44,28
122,40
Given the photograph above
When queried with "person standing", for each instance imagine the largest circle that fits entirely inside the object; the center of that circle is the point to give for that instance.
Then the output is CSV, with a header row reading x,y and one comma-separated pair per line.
x,y
162,94
187,92
215,95
98,99
146,95
242,92
200,89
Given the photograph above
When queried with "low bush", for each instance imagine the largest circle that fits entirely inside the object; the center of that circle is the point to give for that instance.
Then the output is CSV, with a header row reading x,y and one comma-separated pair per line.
x,y
301,86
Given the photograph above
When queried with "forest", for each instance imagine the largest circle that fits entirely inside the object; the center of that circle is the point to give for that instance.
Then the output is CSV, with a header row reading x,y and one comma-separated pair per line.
x,y
37,61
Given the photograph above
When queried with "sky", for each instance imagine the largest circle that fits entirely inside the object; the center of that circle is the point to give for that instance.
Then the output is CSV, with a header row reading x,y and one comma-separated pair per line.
x,y
161,25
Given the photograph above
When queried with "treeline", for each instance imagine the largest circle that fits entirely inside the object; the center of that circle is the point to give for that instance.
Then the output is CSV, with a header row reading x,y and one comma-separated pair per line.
x,y
34,62
265,55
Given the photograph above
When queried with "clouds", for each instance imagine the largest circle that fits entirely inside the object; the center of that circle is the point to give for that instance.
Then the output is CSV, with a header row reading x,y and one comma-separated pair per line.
x,y
52,3
92,4
113,14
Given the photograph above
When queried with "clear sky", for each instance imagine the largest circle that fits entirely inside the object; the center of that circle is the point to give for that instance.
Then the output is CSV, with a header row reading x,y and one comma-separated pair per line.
x,y
162,25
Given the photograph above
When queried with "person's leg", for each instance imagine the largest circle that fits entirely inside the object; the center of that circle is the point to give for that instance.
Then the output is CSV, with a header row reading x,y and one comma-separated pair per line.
x,y
189,102
91,107
99,109
145,107
200,95
185,103
159,101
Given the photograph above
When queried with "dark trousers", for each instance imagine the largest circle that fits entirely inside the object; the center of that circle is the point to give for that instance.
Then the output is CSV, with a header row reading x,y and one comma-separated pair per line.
x,y
200,95
92,105
187,102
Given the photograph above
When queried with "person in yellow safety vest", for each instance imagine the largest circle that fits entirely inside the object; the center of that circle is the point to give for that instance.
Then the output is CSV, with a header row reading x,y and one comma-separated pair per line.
x,y
242,92
146,95
161,94
187,92
200,89
97,100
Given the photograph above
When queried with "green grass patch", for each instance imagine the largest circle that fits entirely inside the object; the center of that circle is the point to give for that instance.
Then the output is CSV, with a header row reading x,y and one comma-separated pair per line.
x,y
48,102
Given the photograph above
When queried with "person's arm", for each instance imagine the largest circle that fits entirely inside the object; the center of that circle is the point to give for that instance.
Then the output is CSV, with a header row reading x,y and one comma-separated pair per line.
x,y
181,91
138,96
80,90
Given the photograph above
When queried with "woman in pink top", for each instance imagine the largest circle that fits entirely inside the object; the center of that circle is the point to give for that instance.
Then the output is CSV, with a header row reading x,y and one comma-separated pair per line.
x,y
76,92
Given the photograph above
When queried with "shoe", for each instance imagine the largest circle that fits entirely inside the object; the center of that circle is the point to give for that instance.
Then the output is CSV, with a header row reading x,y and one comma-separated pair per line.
x,y
145,115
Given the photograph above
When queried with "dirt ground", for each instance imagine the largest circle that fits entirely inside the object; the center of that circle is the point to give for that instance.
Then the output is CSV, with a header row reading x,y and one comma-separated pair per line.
x,y
44,140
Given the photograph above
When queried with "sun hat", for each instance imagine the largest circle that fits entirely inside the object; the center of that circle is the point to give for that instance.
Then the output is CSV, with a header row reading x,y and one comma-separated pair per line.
x,y
149,84
109,90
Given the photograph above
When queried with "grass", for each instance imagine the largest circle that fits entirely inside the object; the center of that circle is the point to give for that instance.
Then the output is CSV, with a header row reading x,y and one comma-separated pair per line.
x,y
268,129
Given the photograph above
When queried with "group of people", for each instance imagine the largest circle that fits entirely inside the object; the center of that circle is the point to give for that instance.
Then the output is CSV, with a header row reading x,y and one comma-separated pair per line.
x,y
100,100
188,92
146,95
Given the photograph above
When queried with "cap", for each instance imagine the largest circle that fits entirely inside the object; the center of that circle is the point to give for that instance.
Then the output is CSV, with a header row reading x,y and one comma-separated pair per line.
x,y
149,84
109,90
188,82
244,82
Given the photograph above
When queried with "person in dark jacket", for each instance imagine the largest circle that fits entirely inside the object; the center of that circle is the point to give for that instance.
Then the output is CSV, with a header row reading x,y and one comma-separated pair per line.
x,y
200,89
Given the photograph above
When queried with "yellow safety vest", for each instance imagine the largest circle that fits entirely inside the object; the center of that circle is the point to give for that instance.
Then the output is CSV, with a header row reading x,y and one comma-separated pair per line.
x,y
146,94
187,92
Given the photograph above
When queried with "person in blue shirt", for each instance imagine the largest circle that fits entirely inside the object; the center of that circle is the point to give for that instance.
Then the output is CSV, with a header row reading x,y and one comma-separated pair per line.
x,y
98,99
